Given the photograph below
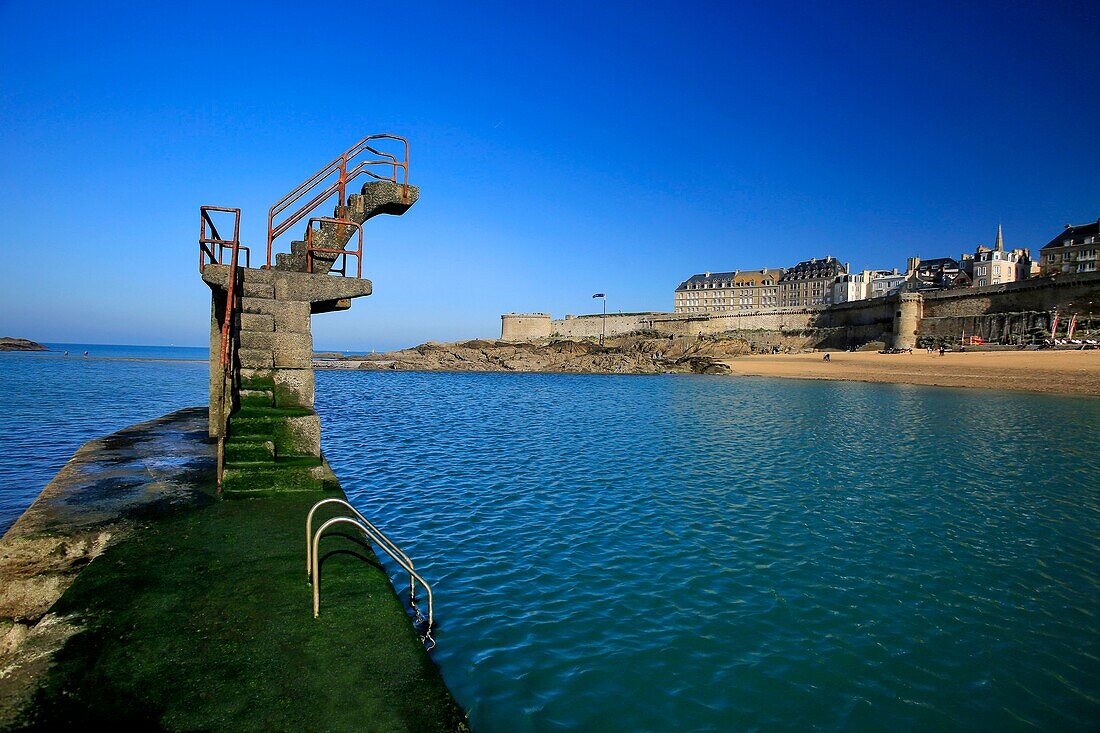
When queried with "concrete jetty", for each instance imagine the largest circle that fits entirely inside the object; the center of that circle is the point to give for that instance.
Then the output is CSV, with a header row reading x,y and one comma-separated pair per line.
x,y
131,596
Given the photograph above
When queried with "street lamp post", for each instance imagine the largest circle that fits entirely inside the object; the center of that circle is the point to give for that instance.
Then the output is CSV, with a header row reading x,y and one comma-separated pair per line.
x,y
603,316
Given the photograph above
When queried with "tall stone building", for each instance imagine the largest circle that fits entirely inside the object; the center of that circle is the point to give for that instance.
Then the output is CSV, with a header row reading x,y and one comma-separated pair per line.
x,y
724,292
998,265
810,283
1073,250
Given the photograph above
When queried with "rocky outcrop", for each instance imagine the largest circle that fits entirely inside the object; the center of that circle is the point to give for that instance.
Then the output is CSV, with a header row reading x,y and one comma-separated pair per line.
x,y
7,343
626,355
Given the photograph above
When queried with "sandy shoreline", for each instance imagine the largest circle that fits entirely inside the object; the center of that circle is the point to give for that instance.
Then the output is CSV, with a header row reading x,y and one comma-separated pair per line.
x,y
1047,372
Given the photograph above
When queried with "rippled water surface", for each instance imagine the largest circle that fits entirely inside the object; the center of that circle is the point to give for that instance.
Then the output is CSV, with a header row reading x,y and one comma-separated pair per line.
x,y
53,404
682,553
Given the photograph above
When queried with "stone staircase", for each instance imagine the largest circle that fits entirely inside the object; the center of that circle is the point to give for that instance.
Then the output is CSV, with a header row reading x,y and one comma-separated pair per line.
x,y
376,197
274,438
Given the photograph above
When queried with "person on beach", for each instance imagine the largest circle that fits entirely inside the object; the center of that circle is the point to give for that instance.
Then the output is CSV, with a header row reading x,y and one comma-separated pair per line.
x,y
826,358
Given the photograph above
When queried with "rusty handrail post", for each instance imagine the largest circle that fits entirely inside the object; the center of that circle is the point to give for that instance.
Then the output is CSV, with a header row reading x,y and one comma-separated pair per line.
x,y
343,181
206,247
310,249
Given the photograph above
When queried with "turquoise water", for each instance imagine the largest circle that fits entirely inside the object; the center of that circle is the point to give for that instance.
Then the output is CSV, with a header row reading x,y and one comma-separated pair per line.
x,y
53,404
689,553
696,554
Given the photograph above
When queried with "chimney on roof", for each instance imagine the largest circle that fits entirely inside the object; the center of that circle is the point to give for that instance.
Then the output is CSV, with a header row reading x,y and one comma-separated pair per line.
x,y
706,274
1070,226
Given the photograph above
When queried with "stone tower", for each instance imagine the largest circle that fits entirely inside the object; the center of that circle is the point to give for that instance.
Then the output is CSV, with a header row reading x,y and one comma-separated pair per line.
x,y
261,391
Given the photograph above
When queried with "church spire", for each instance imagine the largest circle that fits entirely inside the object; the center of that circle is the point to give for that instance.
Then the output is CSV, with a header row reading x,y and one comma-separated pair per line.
x,y
1000,245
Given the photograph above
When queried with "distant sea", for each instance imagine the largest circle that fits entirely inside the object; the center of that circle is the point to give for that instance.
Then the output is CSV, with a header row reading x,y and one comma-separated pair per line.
x,y
54,403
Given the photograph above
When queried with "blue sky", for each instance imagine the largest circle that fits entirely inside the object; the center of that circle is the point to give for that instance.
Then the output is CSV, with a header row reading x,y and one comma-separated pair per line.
x,y
561,150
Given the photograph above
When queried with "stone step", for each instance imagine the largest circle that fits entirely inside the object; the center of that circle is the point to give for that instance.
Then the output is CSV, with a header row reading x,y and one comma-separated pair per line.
x,y
294,430
257,380
380,197
290,315
238,450
290,262
256,275
292,387
258,290
257,397
259,322
283,475
257,340
255,358
322,261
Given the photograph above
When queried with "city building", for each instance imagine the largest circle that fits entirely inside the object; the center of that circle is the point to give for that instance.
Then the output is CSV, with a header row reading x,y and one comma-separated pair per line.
x,y
723,292
887,282
1073,250
998,265
941,273
810,283
861,285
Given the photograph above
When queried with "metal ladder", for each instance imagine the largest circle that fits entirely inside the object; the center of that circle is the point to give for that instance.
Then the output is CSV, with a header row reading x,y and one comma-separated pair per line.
x,y
376,536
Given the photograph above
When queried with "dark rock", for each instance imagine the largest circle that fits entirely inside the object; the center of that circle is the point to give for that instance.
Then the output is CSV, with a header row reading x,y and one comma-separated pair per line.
x,y
7,343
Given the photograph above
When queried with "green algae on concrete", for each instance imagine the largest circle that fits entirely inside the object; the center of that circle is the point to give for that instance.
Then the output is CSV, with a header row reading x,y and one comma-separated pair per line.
x,y
201,619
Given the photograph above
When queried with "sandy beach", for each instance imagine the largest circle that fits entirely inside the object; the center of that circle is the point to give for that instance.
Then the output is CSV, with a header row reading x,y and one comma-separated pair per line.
x,y
1052,372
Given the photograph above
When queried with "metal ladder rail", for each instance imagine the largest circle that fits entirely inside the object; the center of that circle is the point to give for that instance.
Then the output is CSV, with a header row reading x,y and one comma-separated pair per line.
x,y
315,570
391,546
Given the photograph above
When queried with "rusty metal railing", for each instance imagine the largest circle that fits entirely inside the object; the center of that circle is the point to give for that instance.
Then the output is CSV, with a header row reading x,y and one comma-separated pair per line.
x,y
346,169
207,254
310,248
206,249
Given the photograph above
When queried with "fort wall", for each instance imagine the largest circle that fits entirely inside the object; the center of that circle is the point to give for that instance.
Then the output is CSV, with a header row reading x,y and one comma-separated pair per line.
x,y
1003,312
524,326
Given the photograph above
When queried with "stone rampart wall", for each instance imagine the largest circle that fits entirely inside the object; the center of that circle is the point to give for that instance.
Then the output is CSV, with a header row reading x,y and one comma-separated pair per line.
x,y
993,327
1008,312
1068,292
863,321
581,327
996,312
